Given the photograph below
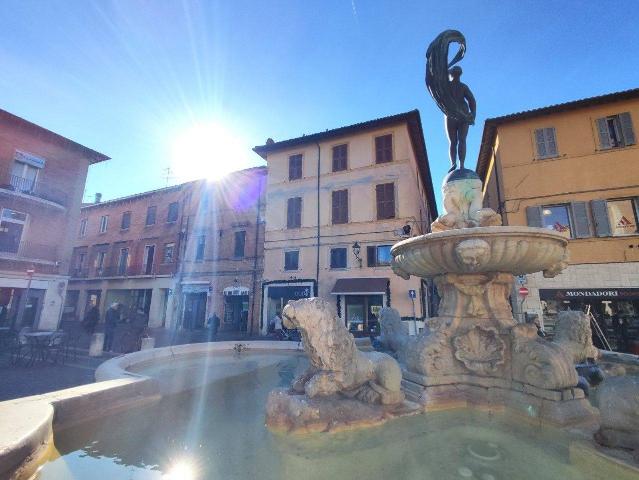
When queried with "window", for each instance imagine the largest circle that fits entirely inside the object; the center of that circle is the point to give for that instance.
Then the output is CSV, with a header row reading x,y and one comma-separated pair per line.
x,y
378,256
546,142
199,248
126,221
623,217
83,227
24,174
294,212
81,259
151,213
99,260
104,223
557,218
149,256
340,206
291,260
384,149
338,257
240,242
123,261
169,250
295,167
172,216
615,131
385,194
340,158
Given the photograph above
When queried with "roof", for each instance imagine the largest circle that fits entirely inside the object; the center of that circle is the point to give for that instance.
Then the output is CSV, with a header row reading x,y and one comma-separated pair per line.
x,y
347,286
491,124
416,133
92,155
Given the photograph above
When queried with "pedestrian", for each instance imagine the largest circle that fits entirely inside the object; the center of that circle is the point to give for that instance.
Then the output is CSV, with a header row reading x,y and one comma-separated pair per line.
x,y
91,319
111,320
244,321
214,325
621,328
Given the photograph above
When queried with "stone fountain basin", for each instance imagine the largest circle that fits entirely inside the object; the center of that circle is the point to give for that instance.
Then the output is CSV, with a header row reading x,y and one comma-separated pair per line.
x,y
517,250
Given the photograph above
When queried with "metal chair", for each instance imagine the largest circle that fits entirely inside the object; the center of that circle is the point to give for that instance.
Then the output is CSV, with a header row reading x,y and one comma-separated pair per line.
x,y
20,347
57,347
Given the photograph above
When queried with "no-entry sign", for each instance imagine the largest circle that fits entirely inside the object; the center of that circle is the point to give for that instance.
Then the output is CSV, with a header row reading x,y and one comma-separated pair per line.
x,y
523,291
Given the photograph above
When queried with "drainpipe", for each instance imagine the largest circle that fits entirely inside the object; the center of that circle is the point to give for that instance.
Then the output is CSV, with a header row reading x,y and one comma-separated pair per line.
x,y
500,210
317,267
257,236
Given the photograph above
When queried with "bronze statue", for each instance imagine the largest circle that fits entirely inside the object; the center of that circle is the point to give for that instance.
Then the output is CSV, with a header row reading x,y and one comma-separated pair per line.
x,y
453,97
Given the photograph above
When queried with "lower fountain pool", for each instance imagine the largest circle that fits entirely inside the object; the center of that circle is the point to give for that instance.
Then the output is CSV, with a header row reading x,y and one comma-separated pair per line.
x,y
217,432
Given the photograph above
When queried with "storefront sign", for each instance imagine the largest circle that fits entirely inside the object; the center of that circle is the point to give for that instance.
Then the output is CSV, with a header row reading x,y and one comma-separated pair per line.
x,y
584,294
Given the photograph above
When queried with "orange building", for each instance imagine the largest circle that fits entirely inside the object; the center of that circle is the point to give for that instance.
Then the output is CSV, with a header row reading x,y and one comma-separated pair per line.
x,y
573,168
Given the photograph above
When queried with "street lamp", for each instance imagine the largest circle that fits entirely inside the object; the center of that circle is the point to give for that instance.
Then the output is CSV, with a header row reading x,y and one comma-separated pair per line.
x,y
29,273
356,251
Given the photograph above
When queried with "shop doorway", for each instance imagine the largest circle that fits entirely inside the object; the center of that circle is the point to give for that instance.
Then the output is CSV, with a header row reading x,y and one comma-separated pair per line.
x,y
194,311
362,313
30,309
276,297
236,313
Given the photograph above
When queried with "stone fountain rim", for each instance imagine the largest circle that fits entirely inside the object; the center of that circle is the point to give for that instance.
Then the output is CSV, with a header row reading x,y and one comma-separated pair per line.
x,y
479,232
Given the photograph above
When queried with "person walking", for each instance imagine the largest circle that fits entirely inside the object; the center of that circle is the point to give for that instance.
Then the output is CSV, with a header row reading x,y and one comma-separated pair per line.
x,y
111,320
91,319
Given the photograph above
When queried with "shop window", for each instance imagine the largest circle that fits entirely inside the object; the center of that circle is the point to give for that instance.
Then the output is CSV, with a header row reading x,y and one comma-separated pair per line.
x,y
622,217
295,167
125,224
384,149
557,218
294,212
172,216
546,142
151,214
291,260
338,257
340,206
340,158
199,248
104,223
378,256
615,131
385,198
240,243
169,252
83,227
571,219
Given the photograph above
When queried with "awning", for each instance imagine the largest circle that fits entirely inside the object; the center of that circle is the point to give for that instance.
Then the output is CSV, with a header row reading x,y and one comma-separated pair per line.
x,y
360,286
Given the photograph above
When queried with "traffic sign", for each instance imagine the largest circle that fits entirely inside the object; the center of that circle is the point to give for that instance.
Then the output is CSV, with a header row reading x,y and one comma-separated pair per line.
x,y
523,291
412,294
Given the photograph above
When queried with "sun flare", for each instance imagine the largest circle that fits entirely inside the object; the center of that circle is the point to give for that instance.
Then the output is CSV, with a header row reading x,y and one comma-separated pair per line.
x,y
207,150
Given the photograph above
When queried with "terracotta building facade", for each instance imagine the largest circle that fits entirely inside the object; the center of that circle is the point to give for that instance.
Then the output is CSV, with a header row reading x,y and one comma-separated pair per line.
x,y
573,168
42,178
335,203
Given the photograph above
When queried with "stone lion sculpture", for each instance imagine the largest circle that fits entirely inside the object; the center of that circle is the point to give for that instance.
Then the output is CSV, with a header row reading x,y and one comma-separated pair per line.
x,y
573,334
618,401
336,365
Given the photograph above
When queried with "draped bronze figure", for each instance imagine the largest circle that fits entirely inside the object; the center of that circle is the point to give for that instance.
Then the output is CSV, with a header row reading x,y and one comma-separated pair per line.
x,y
453,97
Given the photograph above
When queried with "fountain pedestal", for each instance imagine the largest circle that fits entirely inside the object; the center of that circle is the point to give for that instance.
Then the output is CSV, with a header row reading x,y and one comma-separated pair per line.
x,y
475,352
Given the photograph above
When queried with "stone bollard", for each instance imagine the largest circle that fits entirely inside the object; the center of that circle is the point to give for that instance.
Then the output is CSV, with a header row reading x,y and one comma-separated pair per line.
x,y
147,343
97,344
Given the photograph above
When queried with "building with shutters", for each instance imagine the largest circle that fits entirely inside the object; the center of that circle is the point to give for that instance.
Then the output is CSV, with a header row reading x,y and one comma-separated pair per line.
x,y
336,202
573,168
42,177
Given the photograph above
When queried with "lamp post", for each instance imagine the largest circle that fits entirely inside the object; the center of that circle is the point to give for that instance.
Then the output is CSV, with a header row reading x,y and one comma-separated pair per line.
x,y
30,273
356,251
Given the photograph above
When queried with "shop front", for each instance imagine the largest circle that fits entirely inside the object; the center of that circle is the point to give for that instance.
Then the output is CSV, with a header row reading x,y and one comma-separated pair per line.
x,y
359,301
194,305
277,294
236,309
616,311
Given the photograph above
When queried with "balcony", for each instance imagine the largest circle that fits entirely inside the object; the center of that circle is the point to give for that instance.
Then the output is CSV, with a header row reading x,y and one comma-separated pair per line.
x,y
33,188
137,270
27,251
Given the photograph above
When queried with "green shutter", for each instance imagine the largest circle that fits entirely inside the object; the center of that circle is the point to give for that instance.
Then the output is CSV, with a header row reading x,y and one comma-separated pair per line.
x,y
626,128
600,215
580,220
604,134
533,216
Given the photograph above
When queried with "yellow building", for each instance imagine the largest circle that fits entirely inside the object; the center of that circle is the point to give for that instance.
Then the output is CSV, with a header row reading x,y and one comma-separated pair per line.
x,y
573,168
335,203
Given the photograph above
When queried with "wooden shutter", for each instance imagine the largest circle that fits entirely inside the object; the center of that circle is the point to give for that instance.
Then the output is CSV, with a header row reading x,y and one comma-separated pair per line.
x,y
340,155
604,134
580,219
384,149
600,215
371,256
551,141
294,212
626,128
385,193
533,216
540,139
295,167
340,206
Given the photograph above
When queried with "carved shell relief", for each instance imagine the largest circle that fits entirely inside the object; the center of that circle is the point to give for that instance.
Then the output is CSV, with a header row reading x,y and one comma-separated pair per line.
x,y
480,350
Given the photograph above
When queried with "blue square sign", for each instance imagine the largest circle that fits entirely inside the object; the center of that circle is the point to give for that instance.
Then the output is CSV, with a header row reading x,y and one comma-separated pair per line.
x,y
412,294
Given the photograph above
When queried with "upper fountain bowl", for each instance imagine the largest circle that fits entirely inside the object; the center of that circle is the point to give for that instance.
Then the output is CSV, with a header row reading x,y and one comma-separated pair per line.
x,y
516,250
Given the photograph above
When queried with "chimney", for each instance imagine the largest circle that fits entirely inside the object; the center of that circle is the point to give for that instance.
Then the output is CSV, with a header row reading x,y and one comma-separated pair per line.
x,y
98,198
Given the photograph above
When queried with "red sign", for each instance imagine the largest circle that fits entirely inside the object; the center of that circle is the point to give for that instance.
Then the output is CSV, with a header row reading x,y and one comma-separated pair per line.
x,y
523,291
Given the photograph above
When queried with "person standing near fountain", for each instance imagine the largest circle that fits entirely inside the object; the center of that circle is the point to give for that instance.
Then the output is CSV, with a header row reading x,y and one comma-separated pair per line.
x,y
453,97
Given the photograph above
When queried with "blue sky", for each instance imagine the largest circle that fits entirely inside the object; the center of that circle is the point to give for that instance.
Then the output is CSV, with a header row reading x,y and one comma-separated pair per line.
x,y
127,78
